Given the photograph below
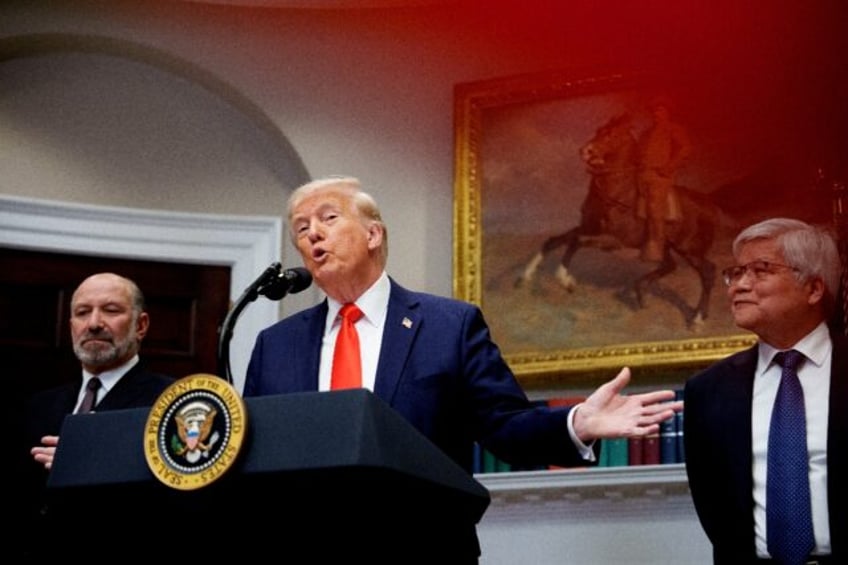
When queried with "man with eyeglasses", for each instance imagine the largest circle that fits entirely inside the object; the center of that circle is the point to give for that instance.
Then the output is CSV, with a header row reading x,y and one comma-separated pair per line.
x,y
783,288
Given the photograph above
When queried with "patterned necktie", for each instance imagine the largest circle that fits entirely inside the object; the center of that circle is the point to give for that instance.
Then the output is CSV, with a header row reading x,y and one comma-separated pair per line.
x,y
89,399
789,522
347,366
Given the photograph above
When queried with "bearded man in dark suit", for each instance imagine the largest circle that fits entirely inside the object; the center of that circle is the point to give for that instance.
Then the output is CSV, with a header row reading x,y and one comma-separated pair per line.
x,y
108,322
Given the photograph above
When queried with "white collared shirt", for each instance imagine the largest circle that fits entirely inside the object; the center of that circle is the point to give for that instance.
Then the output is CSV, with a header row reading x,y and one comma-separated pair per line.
x,y
108,379
814,374
374,304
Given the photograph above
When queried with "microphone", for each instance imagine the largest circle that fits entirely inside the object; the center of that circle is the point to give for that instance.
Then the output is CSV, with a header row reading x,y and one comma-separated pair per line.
x,y
290,281
273,283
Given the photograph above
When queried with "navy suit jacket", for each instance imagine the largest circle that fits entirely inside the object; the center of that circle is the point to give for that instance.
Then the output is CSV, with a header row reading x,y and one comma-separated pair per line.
x,y
719,460
47,409
438,368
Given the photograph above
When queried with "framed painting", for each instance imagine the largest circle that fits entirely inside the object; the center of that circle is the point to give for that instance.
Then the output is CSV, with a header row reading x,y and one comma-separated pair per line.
x,y
548,230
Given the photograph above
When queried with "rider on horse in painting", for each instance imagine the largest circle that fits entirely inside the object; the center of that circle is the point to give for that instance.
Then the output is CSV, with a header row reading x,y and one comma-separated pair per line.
x,y
611,162
663,148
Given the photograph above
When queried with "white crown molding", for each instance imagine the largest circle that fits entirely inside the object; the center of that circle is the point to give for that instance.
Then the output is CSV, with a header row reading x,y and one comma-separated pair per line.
x,y
639,514
577,493
247,244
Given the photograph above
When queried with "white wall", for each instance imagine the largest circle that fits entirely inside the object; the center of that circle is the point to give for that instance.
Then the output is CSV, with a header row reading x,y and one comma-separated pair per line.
x,y
364,92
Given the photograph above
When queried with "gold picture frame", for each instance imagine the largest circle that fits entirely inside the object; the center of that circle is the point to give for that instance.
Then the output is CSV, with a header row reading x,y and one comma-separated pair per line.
x,y
512,136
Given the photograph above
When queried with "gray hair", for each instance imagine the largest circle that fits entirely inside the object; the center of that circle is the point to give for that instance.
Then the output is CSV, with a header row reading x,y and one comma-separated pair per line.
x,y
365,204
810,249
136,296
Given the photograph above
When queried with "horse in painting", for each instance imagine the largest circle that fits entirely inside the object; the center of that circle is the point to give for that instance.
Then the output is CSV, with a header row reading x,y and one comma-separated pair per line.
x,y
609,220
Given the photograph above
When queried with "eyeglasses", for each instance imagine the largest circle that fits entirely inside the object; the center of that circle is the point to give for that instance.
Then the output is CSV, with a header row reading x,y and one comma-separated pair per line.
x,y
759,269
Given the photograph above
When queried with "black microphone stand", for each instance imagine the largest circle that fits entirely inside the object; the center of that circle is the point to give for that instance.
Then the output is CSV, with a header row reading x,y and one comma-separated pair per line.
x,y
225,334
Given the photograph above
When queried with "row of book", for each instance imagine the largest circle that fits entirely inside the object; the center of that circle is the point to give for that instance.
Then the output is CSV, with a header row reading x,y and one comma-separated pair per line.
x,y
666,447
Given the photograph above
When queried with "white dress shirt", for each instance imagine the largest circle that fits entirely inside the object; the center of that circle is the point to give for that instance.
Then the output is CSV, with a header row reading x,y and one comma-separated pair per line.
x,y
814,374
374,304
108,379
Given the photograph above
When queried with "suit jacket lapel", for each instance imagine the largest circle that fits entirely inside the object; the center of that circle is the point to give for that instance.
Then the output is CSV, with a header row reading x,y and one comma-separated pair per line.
x,y
403,322
307,360
124,391
737,397
66,400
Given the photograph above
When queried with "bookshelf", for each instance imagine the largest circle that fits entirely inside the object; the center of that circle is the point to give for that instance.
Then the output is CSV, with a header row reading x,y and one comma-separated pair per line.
x,y
665,447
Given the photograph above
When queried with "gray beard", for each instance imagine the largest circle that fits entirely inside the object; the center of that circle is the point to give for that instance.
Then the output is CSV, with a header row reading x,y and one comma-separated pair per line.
x,y
106,356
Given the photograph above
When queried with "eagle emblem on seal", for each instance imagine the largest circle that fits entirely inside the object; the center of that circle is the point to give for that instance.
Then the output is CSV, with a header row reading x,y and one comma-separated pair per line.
x,y
194,427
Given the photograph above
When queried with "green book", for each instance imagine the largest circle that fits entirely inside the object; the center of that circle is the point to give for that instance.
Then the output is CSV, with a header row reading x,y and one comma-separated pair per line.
x,y
603,459
489,462
617,452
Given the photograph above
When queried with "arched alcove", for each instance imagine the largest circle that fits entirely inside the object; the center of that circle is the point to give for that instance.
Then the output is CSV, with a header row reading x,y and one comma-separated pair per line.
x,y
114,122
114,148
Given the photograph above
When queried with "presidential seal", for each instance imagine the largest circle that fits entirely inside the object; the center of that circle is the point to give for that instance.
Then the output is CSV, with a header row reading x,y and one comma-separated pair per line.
x,y
194,431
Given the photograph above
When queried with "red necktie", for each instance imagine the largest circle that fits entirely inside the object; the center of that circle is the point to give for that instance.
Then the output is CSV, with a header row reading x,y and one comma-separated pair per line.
x,y
347,366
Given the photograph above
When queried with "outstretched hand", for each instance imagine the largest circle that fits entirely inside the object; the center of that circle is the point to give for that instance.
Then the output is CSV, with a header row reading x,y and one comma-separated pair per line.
x,y
606,413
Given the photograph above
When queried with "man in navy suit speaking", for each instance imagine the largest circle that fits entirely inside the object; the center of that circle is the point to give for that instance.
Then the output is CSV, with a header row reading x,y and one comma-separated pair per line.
x,y
430,358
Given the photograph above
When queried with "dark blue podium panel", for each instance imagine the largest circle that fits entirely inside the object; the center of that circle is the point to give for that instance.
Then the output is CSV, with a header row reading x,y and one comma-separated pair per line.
x,y
310,462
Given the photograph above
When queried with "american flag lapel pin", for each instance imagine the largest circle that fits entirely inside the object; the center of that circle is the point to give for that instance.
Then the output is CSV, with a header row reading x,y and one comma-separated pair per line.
x,y
407,323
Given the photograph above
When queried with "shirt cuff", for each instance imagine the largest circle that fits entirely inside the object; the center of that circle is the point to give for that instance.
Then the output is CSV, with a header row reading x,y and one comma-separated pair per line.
x,y
585,451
